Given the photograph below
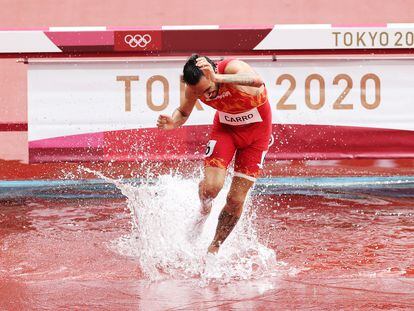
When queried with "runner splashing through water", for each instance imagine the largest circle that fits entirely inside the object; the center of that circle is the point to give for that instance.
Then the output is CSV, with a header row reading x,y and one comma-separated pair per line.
x,y
242,128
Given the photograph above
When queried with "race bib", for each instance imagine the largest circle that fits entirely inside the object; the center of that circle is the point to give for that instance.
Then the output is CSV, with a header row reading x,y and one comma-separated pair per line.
x,y
210,147
251,116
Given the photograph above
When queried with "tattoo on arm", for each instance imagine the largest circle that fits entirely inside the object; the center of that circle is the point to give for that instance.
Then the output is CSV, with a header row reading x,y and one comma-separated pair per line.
x,y
242,79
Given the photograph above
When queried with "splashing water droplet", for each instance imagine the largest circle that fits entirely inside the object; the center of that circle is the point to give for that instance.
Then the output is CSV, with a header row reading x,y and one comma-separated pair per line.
x,y
164,212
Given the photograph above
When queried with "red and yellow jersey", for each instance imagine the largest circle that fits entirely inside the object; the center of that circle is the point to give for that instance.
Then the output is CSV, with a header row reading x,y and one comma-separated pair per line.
x,y
231,100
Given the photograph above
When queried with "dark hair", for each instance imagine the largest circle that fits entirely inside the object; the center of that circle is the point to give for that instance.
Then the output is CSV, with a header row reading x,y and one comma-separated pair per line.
x,y
191,73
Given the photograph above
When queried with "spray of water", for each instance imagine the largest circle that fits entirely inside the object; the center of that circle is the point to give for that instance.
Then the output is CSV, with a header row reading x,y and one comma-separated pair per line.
x,y
163,213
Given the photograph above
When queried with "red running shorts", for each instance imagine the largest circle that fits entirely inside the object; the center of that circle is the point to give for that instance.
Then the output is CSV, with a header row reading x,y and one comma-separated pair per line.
x,y
235,135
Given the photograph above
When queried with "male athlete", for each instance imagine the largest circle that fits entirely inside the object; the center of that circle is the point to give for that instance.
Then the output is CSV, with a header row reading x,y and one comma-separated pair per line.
x,y
242,127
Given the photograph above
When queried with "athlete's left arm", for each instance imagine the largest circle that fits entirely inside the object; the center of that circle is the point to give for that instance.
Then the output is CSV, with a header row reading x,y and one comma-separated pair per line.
x,y
236,72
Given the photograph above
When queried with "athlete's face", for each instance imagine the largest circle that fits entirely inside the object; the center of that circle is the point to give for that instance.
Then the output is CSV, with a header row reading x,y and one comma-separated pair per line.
x,y
206,87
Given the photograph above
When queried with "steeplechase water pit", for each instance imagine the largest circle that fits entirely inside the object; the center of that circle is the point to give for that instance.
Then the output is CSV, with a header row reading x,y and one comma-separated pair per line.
x,y
122,244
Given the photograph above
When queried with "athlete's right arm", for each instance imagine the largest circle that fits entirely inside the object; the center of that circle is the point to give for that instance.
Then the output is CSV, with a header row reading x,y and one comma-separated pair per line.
x,y
180,115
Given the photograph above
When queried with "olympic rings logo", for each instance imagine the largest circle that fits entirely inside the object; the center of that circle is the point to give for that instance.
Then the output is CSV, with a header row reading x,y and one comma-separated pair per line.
x,y
137,40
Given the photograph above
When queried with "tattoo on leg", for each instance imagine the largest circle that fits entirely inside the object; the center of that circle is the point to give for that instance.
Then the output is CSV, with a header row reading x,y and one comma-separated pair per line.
x,y
226,223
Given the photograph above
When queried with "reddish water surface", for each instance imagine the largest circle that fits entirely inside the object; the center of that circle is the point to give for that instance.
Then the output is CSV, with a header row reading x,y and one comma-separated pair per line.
x,y
351,250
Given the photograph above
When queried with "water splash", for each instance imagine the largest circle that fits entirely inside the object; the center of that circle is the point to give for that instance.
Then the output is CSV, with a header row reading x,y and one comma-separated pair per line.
x,y
163,213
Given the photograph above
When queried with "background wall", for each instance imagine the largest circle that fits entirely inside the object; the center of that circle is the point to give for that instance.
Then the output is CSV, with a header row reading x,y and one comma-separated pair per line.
x,y
45,13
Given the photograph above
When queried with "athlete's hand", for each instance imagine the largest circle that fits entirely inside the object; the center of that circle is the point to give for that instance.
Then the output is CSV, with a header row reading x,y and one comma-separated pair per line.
x,y
206,67
165,122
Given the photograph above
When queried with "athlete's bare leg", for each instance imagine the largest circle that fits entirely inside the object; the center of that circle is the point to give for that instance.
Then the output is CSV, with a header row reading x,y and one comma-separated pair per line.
x,y
231,212
209,188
